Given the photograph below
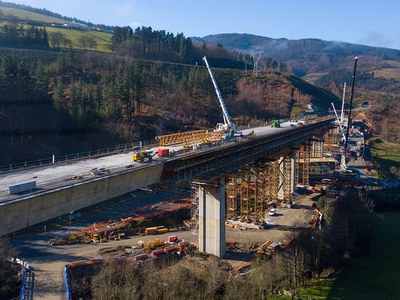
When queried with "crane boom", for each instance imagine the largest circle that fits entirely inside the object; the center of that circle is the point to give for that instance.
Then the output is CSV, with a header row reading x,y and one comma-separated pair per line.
x,y
228,124
337,118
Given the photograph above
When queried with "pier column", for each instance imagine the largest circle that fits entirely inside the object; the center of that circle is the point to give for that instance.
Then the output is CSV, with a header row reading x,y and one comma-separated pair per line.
x,y
212,218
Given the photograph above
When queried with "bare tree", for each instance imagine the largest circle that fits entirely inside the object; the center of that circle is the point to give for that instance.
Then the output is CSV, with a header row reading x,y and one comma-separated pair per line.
x,y
86,41
57,38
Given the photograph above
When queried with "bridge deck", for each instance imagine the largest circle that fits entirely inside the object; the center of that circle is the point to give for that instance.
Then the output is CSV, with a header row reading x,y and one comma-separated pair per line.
x,y
212,160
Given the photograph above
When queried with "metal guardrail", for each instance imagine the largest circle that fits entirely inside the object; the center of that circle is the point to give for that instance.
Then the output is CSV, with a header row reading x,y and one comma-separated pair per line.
x,y
76,156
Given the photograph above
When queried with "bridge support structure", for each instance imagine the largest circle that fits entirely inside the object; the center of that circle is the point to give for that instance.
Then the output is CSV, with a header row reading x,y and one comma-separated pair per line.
x,y
303,163
212,217
252,190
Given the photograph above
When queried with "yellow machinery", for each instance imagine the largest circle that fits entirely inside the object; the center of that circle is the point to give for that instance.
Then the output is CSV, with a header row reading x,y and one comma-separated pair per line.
x,y
142,156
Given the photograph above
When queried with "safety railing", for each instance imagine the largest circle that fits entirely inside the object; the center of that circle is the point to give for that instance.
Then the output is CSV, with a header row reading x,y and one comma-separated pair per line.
x,y
123,148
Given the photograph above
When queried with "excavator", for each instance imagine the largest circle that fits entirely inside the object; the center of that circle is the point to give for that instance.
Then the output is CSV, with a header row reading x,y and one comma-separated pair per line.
x,y
142,156
276,123
228,127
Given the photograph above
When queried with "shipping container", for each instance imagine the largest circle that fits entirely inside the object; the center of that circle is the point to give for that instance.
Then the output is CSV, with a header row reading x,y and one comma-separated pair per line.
x,y
163,152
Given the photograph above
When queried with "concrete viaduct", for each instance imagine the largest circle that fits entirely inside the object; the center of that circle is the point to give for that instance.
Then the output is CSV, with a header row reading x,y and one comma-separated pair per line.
x,y
205,168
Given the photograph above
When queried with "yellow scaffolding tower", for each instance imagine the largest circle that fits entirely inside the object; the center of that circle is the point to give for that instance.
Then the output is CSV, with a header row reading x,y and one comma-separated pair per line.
x,y
269,193
244,202
260,195
306,162
232,197
317,149
303,164
287,179
275,180
297,167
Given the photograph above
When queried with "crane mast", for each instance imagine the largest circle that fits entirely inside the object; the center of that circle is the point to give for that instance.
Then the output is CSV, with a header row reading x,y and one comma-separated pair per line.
x,y
228,125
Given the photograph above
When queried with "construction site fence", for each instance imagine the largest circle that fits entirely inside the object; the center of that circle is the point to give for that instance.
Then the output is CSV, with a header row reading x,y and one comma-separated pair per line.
x,y
123,148
67,283
27,285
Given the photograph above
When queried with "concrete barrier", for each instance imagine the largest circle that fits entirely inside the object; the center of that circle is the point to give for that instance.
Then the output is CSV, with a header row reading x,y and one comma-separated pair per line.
x,y
34,209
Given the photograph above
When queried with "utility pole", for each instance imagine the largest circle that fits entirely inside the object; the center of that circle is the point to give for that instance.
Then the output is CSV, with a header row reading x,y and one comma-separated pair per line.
x,y
70,219
255,61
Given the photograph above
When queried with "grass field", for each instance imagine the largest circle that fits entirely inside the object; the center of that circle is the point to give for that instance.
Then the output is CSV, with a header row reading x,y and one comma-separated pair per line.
x,y
24,15
103,39
373,276
386,154
390,73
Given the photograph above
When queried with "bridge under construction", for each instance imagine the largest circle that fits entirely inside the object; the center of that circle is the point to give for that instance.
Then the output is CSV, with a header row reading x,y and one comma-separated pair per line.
x,y
239,178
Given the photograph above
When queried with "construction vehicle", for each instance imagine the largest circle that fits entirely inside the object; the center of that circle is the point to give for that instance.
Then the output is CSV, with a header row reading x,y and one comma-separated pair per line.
x,y
268,248
276,123
228,127
142,156
155,230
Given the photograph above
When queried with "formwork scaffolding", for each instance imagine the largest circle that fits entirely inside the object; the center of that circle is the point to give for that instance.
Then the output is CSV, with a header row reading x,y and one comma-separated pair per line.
x,y
194,211
303,164
317,149
274,166
260,195
232,198
245,197
271,193
331,139
286,179
253,189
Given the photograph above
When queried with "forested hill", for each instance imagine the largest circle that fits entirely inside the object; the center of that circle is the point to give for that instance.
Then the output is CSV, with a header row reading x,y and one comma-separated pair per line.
x,y
65,102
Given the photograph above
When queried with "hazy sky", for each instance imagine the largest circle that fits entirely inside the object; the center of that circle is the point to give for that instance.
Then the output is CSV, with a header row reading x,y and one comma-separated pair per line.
x,y
369,22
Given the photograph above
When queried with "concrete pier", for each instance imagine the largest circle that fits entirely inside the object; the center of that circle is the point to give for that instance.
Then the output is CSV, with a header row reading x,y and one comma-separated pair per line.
x,y
212,218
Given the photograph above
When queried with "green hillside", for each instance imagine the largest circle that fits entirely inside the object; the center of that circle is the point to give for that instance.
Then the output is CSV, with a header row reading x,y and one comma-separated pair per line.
x,y
20,15
103,39
26,19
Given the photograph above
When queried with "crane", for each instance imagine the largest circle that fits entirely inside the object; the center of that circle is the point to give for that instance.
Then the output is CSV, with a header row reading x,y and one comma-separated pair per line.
x,y
343,154
228,126
340,124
